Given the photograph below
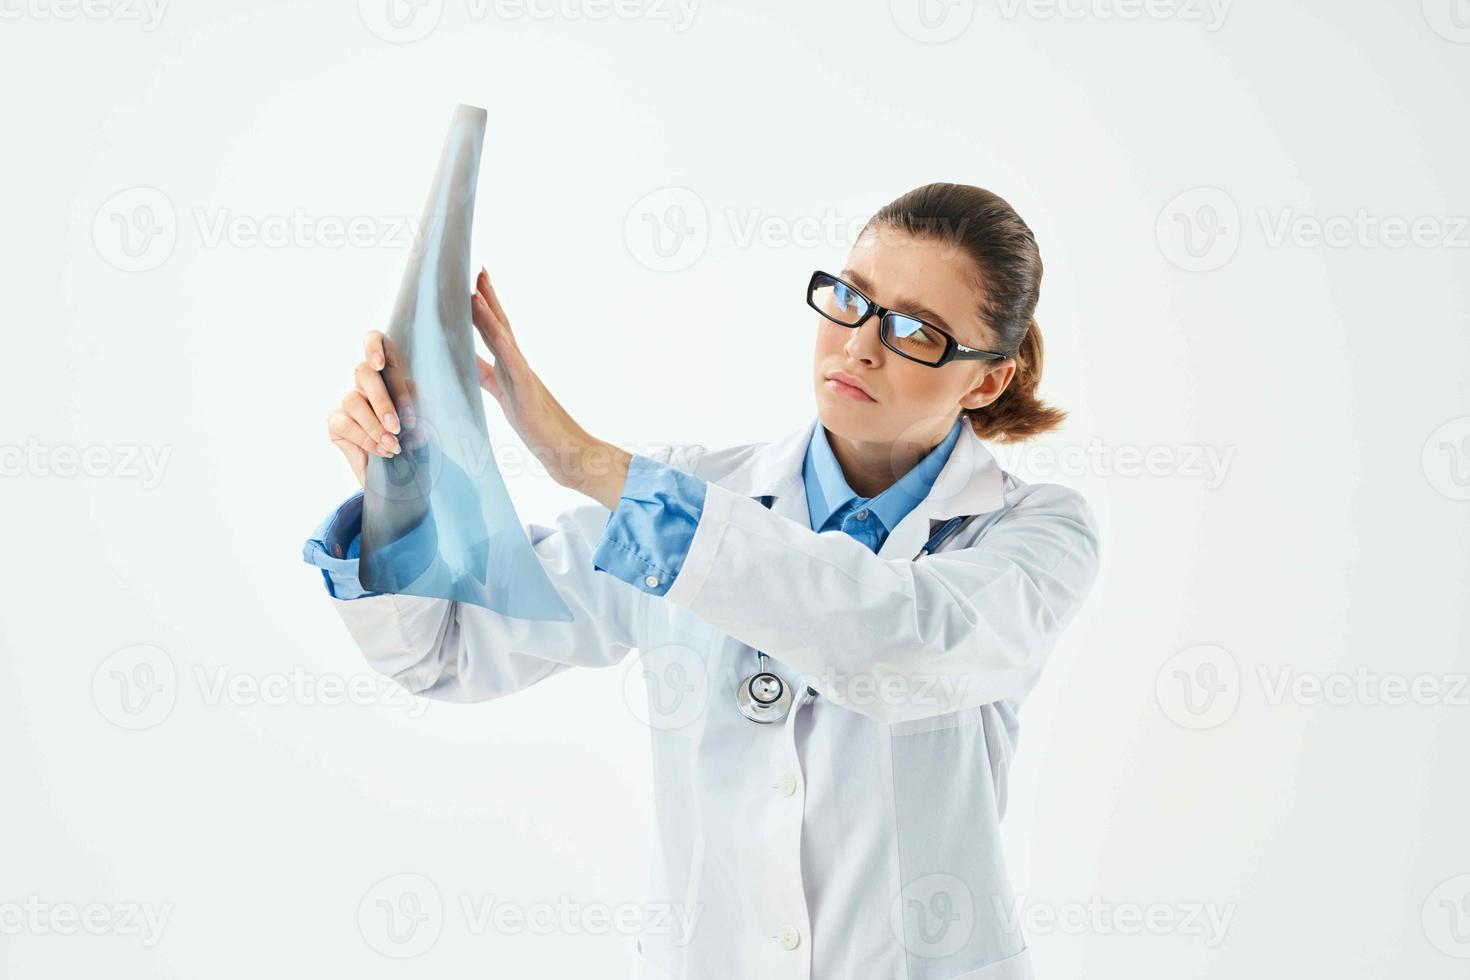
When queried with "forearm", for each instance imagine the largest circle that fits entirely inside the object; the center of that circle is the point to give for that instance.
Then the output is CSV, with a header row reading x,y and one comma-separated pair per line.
x,y
958,628
598,469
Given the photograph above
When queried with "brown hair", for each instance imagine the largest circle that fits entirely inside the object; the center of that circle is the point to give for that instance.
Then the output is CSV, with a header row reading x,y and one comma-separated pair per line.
x,y
1007,278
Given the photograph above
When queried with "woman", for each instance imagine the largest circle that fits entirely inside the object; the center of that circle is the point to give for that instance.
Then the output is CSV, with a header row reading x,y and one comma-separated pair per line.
x,y
838,816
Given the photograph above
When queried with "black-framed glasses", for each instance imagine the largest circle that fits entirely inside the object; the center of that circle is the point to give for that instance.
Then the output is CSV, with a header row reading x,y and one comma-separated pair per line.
x,y
907,336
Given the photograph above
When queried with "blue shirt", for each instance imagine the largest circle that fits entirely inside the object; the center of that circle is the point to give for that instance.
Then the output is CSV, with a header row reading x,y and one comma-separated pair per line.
x,y
334,548
648,534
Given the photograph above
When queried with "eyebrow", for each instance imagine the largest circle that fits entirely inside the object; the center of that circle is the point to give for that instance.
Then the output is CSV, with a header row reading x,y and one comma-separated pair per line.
x,y
908,306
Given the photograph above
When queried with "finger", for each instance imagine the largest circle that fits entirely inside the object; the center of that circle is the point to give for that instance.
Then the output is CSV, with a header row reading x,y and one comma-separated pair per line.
x,y
483,318
348,435
488,380
486,289
493,329
357,408
375,389
372,349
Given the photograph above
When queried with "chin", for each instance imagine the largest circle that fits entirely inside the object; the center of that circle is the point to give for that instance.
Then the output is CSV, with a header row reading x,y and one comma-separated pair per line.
x,y
835,413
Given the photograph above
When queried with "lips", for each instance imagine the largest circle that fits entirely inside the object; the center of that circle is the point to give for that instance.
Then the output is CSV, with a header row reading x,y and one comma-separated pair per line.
x,y
849,385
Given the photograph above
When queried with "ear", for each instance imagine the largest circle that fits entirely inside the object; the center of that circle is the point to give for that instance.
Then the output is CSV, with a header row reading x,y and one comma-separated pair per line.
x,y
994,377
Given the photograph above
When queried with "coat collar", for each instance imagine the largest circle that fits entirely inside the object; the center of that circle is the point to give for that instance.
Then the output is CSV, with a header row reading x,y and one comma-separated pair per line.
x,y
971,482
827,489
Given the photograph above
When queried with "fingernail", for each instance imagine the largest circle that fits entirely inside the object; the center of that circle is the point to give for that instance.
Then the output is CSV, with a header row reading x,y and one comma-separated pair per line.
x,y
391,421
389,443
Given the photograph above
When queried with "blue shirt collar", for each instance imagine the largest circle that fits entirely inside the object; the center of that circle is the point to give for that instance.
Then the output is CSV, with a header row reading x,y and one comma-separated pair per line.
x,y
827,490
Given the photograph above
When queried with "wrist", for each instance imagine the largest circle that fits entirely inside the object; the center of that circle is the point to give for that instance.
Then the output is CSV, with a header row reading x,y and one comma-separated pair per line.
x,y
599,470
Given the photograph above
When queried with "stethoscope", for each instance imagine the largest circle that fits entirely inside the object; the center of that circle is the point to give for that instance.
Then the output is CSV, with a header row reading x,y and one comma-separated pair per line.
x,y
764,697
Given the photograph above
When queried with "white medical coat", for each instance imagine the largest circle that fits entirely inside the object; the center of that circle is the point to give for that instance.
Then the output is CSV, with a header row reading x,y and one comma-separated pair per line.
x,y
858,838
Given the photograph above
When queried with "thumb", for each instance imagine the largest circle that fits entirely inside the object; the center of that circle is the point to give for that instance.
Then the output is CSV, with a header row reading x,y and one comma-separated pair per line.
x,y
488,379
356,459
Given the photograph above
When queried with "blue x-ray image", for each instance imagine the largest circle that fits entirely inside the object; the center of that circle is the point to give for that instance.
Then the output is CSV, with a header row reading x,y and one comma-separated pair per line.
x,y
437,520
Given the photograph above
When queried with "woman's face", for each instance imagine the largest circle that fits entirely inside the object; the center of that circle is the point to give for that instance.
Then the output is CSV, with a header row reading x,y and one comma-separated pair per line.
x,y
911,404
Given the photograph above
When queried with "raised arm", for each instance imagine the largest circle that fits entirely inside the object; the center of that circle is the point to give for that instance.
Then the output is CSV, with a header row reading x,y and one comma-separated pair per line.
x,y
896,639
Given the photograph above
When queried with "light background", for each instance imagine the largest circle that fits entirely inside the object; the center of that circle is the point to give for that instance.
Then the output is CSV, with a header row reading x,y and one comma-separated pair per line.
x,y
1154,151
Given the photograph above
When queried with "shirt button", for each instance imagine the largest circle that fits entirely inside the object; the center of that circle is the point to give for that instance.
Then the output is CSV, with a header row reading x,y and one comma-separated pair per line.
x,y
650,581
790,938
787,785
861,515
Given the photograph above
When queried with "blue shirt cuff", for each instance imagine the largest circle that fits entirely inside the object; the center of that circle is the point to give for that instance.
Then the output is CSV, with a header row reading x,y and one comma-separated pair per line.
x,y
334,548
648,534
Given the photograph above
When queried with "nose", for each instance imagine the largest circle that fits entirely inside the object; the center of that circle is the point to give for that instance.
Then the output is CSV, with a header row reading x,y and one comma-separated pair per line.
x,y
863,344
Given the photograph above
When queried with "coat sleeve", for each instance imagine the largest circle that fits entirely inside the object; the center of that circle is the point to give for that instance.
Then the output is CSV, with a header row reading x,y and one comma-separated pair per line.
x,y
895,639
455,651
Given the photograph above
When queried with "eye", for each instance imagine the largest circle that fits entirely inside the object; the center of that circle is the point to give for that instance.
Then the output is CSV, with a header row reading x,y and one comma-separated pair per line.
x,y
844,296
915,333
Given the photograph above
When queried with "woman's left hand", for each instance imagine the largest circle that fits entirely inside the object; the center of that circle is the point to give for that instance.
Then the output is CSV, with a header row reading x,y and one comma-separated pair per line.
x,y
573,457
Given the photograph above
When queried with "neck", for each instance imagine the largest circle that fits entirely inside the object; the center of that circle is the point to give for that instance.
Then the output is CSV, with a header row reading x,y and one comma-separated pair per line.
x,y
872,467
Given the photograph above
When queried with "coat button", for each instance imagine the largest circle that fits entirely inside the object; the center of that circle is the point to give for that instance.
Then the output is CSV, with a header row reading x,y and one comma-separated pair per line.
x,y
650,581
787,785
790,938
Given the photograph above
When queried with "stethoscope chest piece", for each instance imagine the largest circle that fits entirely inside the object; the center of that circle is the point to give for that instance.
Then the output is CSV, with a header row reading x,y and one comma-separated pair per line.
x,y
763,697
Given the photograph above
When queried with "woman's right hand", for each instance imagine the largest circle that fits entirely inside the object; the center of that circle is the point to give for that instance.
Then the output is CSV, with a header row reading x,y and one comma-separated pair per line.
x,y
366,422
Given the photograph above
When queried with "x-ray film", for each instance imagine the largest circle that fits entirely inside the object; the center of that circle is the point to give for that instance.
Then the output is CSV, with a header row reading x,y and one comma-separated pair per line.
x,y
437,520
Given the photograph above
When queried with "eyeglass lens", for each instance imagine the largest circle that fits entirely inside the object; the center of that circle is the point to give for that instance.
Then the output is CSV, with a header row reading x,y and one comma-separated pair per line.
x,y
913,338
